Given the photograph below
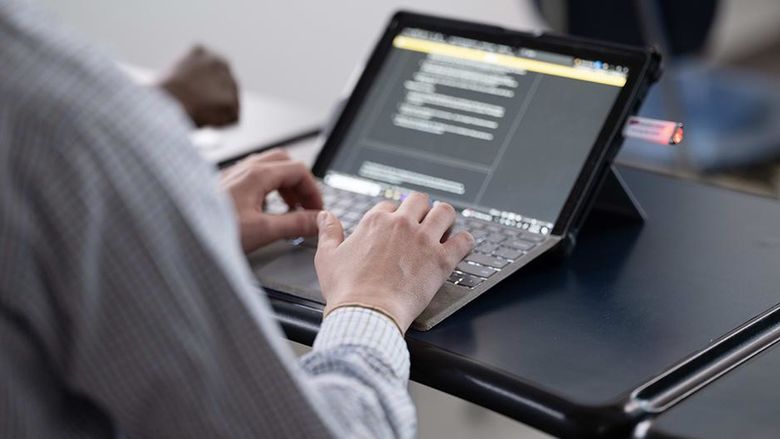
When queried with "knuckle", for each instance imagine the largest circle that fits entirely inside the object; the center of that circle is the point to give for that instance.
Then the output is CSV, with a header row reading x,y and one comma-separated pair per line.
x,y
404,222
444,259
423,240
382,206
446,208
466,241
376,217
419,196
257,168
254,159
300,222
319,258
370,216
279,152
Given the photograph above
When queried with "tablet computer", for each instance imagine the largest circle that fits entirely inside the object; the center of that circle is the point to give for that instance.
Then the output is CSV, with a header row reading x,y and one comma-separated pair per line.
x,y
515,130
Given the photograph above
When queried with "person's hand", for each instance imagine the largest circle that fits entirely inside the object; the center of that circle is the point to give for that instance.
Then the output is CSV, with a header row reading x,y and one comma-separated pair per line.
x,y
395,261
249,182
205,88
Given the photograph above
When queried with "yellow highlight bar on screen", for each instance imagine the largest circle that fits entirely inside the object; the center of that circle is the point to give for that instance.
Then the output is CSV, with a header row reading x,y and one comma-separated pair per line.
x,y
531,65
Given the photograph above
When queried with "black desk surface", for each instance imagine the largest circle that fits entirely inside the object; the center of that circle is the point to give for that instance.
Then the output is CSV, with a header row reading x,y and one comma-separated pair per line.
x,y
562,346
743,404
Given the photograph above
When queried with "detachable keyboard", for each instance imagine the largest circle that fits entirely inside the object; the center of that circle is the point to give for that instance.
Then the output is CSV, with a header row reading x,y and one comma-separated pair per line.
x,y
496,246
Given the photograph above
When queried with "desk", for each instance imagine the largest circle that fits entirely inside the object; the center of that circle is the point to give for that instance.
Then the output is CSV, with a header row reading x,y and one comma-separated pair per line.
x,y
562,346
743,404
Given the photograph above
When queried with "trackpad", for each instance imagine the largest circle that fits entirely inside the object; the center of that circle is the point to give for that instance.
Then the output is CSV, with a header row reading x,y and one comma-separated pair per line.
x,y
291,271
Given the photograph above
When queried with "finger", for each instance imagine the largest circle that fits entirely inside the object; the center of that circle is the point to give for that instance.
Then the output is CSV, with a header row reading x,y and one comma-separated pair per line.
x,y
289,197
294,176
272,155
331,232
257,164
292,224
440,218
458,246
415,205
383,206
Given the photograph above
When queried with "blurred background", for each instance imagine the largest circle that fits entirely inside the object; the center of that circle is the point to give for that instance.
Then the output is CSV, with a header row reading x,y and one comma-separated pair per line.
x,y
722,80
722,69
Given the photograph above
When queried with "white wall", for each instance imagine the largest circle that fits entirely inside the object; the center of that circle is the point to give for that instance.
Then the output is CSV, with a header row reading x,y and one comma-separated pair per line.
x,y
296,49
304,50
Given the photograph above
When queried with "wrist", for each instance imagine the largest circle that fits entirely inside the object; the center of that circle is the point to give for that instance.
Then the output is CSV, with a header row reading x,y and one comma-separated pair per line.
x,y
391,315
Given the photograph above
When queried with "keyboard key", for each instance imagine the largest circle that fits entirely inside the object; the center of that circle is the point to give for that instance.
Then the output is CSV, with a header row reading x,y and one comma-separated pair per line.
x,y
478,234
487,260
520,244
476,270
341,204
362,206
475,225
351,216
486,247
509,253
495,237
511,232
493,228
533,237
470,281
455,277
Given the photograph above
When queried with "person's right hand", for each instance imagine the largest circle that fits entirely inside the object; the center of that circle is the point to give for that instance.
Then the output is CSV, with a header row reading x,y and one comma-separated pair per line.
x,y
395,261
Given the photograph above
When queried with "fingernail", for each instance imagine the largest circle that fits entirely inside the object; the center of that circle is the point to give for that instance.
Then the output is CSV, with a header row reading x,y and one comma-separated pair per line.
x,y
321,217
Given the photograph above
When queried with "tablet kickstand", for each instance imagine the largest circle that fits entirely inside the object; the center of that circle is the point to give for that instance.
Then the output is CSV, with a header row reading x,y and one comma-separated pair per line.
x,y
616,198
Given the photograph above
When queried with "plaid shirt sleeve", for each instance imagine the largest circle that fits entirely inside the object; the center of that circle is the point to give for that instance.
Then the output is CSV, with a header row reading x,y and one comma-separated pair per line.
x,y
126,305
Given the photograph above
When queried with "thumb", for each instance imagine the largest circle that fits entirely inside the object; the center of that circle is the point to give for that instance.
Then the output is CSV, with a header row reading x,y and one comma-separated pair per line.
x,y
292,224
331,231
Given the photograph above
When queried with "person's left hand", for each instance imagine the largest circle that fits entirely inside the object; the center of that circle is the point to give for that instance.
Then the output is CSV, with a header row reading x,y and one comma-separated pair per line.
x,y
249,182
204,86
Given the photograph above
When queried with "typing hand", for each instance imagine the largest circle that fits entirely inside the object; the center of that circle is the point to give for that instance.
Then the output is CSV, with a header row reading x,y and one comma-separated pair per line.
x,y
205,87
395,260
249,182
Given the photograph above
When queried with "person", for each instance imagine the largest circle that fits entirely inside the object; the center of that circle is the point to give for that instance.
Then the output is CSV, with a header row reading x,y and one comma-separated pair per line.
x,y
127,307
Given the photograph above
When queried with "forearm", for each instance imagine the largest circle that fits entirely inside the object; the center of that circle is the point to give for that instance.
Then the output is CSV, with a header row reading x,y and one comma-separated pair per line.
x,y
359,364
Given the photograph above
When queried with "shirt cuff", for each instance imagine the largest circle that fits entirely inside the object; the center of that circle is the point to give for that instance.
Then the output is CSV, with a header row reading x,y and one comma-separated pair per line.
x,y
356,326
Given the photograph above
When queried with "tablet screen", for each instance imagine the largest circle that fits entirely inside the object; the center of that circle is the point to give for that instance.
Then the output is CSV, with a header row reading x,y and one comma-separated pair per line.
x,y
487,127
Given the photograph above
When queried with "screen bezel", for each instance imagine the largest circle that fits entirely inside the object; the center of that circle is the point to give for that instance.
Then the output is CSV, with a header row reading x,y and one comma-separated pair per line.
x,y
641,63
